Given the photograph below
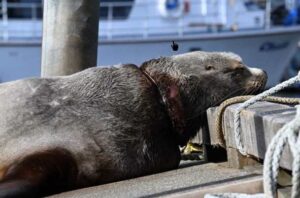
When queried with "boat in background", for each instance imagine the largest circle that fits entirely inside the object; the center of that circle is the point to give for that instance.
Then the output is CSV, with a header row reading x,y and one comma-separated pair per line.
x,y
132,31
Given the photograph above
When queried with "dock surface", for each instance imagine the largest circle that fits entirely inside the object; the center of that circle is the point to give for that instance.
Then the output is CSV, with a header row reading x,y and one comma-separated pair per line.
x,y
190,180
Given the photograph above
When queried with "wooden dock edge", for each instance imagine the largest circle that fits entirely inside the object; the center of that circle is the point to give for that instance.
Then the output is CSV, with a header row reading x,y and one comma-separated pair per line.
x,y
259,124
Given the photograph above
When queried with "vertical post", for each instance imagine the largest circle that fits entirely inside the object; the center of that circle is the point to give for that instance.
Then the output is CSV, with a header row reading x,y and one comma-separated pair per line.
x,y
70,36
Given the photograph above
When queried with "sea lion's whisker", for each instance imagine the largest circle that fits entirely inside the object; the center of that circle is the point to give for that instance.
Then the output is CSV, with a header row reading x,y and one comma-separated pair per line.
x,y
227,96
221,99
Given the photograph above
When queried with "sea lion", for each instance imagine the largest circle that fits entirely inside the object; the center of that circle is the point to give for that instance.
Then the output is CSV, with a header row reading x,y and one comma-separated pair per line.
x,y
108,124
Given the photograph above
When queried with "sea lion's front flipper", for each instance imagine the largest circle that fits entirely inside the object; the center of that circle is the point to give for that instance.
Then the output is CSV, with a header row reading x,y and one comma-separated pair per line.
x,y
40,174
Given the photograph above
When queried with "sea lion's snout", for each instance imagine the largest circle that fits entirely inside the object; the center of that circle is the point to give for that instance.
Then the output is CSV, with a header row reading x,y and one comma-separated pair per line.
x,y
259,73
257,81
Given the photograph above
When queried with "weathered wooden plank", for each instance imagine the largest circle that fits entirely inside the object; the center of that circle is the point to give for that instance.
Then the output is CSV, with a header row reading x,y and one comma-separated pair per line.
x,y
237,160
259,123
189,180
198,138
248,186
252,125
211,113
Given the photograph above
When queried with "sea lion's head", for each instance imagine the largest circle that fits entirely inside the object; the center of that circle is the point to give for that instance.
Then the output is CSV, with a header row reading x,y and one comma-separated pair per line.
x,y
216,76
205,79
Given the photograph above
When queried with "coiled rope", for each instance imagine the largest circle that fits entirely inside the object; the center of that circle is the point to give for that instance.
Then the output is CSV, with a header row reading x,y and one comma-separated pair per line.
x,y
288,134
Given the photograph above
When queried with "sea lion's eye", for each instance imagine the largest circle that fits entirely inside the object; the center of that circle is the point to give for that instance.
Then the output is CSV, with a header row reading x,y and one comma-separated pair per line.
x,y
209,67
239,67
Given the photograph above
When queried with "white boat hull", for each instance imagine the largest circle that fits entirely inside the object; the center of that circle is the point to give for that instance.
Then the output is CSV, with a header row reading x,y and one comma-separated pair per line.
x,y
270,51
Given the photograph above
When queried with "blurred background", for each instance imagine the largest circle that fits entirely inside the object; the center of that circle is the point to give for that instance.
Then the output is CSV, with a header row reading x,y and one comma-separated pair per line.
x,y
265,33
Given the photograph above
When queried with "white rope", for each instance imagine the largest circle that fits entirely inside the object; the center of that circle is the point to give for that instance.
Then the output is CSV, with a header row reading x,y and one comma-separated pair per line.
x,y
288,134
271,163
237,132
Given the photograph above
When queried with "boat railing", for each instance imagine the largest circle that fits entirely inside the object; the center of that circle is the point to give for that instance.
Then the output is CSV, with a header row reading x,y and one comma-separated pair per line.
x,y
143,19
210,16
20,20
